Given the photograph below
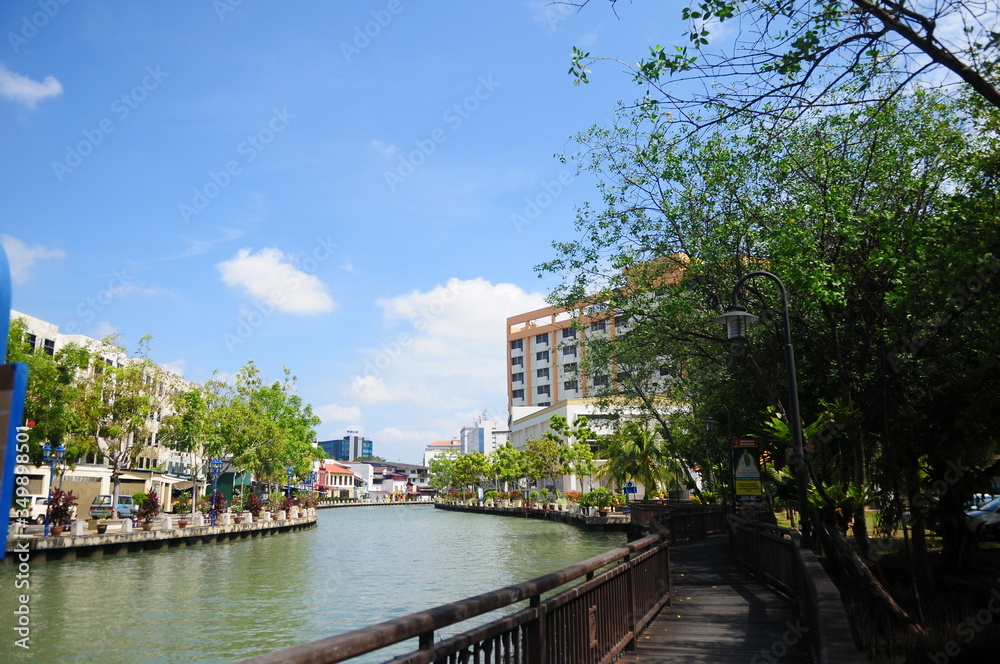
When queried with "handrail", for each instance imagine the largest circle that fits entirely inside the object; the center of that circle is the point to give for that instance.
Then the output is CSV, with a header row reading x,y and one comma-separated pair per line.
x,y
777,557
423,624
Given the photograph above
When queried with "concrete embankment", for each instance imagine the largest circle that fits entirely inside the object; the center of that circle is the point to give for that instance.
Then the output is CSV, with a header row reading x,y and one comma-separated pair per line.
x,y
614,521
90,544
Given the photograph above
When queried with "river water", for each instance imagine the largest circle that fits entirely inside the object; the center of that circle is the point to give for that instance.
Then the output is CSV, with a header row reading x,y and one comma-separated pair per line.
x,y
221,602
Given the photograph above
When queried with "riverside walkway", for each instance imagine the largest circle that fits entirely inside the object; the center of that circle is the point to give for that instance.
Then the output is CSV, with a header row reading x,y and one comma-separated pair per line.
x,y
719,614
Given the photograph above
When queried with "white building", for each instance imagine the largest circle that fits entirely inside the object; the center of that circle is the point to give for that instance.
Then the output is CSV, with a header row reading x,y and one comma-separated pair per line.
x,y
91,474
453,447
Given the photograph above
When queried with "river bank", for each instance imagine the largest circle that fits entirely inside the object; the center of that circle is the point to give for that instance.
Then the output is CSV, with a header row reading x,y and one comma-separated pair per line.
x,y
614,522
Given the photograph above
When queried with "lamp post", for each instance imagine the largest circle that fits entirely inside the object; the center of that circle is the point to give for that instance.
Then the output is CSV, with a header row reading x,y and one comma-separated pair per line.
x,y
51,459
288,489
216,466
736,320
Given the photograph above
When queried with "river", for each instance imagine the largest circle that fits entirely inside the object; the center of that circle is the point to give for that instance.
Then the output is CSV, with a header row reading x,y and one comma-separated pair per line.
x,y
221,602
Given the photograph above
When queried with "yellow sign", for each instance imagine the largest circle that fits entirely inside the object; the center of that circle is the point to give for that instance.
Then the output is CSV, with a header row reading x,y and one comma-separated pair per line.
x,y
748,488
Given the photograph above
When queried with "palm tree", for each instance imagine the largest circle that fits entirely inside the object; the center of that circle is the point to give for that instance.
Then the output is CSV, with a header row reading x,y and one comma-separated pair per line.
x,y
638,453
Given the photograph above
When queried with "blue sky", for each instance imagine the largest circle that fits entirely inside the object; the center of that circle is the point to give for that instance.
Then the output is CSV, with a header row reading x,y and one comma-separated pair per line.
x,y
339,187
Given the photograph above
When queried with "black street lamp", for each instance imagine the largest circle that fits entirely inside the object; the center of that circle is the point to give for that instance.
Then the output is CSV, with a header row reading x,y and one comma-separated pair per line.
x,y
291,473
216,467
736,320
51,459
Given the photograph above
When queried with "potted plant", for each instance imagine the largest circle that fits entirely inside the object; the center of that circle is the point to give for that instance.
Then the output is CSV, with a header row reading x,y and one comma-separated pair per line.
x,y
533,498
61,506
183,507
601,498
148,509
102,524
253,505
491,497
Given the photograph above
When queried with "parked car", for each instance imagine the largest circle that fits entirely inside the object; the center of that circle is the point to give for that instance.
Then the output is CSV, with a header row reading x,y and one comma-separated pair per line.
x,y
101,506
30,508
984,521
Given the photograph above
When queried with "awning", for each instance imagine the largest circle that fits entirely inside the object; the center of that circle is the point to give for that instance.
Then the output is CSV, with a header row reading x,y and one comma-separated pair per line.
x,y
166,479
125,477
183,485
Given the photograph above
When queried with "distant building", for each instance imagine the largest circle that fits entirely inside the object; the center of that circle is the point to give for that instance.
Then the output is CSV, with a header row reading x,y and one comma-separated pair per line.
x,y
348,448
453,447
485,436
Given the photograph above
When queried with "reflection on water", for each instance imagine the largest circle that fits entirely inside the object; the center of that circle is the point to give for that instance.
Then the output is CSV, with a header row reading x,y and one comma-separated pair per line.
x,y
226,601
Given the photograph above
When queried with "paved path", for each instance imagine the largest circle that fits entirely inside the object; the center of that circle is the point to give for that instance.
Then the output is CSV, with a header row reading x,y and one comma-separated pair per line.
x,y
719,614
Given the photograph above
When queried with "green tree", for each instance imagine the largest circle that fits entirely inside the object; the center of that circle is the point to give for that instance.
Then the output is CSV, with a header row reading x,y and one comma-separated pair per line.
x,y
506,466
53,394
791,55
636,452
469,470
441,471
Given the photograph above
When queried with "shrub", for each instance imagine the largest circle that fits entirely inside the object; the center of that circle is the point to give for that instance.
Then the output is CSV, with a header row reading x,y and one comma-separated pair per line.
x,y
61,506
252,504
601,498
573,496
149,506
492,494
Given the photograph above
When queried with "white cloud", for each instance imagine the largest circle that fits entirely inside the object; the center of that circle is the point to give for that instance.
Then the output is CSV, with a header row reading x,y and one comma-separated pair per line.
x,y
104,329
270,276
337,413
176,367
383,148
23,258
26,91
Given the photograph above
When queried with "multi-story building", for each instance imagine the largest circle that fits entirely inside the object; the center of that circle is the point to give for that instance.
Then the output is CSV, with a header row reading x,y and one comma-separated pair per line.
x,y
453,447
350,447
154,467
485,436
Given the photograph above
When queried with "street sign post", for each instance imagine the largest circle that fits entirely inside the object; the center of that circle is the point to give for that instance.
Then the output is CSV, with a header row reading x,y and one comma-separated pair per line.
x,y
746,470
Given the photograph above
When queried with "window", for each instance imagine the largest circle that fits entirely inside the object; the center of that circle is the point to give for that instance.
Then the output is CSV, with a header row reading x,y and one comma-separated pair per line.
x,y
49,346
517,361
623,376
542,373
570,385
620,320
544,403
518,377
599,325
569,333
569,368
569,351
664,371
542,356
600,381
518,394
542,338
543,390
517,344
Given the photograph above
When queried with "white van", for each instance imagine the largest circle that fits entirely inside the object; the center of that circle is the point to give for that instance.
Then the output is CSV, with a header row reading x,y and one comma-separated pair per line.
x,y
31,508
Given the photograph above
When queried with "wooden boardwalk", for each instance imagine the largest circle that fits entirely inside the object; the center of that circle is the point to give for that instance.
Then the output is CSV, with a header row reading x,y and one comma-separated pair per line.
x,y
719,614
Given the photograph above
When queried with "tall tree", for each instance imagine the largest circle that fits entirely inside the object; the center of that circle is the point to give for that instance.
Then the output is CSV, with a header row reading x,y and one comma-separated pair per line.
x,y
790,55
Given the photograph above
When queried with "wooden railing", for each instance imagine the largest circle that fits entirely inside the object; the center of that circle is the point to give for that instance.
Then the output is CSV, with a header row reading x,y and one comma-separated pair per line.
x,y
683,519
615,595
775,555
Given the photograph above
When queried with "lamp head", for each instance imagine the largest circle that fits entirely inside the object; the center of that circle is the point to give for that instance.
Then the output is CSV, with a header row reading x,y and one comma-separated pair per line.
x,y
736,320
710,423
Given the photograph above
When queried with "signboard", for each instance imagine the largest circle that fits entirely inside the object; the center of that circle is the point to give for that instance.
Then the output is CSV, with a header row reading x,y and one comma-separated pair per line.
x,y
746,472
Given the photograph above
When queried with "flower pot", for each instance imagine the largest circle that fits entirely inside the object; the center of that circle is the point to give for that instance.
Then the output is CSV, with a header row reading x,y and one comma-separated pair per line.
x,y
56,531
182,523
602,512
237,520
102,528
147,525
